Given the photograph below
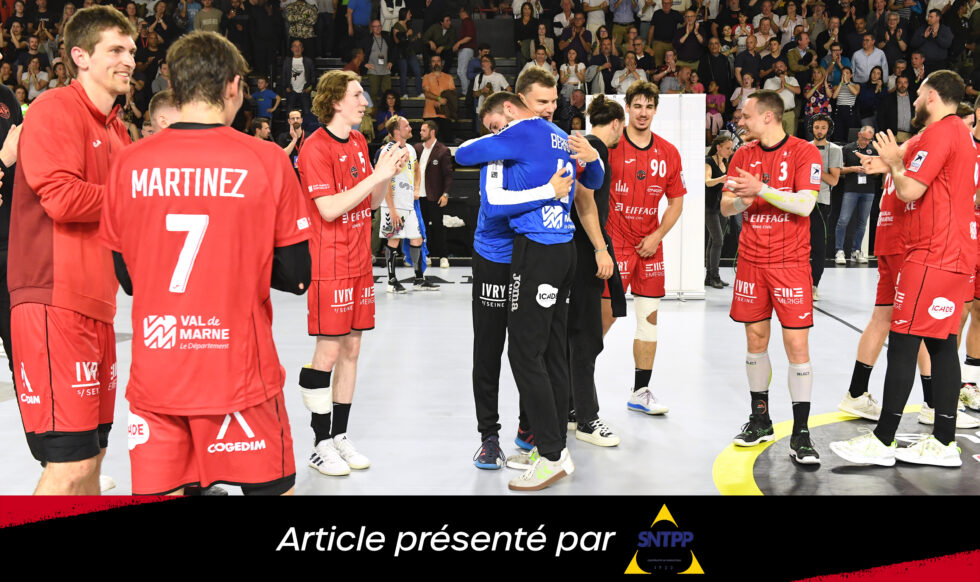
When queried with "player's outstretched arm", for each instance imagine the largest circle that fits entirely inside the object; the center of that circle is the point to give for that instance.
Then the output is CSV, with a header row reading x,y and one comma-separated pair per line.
x,y
489,148
501,202
292,268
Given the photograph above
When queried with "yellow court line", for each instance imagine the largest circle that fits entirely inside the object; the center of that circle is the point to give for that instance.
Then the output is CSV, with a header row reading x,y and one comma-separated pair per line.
x,y
732,471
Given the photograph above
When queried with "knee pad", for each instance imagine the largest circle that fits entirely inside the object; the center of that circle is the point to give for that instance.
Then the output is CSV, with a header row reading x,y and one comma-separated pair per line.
x,y
316,391
644,306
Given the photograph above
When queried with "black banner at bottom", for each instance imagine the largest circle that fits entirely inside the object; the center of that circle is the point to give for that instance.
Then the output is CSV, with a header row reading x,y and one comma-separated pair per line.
x,y
766,538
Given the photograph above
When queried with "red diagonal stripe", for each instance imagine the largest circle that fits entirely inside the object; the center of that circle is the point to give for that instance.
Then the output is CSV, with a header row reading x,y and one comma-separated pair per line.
x,y
962,567
18,510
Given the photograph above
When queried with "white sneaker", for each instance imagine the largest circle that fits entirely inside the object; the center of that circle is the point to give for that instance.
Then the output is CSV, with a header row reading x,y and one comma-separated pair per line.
x,y
931,452
840,258
864,406
643,401
866,450
522,460
349,454
444,263
963,420
596,432
970,396
106,483
858,257
327,460
543,473
816,296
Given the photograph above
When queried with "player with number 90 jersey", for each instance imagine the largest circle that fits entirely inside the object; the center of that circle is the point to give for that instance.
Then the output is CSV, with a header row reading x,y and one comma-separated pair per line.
x,y
197,234
640,179
770,236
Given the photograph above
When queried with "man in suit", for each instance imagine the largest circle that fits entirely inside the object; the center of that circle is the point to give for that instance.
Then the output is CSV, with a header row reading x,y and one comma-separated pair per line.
x,y
897,112
436,165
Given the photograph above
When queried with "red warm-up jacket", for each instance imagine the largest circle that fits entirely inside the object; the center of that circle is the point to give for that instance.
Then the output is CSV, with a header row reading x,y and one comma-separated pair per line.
x,y
55,257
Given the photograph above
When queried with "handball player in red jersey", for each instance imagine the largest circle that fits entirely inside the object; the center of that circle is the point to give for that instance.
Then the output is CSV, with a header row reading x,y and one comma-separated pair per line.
x,y
62,288
773,182
204,237
936,177
342,188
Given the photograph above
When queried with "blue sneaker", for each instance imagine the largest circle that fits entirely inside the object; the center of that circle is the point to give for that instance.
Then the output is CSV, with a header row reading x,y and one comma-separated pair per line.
x,y
525,439
489,456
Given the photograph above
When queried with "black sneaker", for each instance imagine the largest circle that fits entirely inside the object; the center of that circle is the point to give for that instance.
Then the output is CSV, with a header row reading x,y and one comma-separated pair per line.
x,y
757,430
423,284
801,449
525,439
572,424
596,432
489,456
395,287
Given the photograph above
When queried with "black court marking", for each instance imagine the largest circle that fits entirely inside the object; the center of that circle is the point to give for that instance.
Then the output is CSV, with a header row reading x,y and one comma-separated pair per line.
x,y
832,316
776,473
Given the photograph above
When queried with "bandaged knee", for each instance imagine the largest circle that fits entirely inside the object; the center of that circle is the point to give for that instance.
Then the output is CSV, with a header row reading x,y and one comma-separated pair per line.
x,y
314,385
644,307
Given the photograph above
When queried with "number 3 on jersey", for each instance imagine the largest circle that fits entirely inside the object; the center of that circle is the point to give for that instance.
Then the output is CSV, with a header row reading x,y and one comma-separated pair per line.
x,y
195,225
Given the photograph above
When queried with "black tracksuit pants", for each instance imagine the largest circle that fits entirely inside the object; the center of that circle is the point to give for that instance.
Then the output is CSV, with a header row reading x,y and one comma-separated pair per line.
x,y
537,324
490,304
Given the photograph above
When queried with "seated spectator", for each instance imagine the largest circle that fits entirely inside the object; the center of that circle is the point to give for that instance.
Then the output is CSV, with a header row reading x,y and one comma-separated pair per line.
x,y
743,92
572,74
260,128
601,34
7,76
541,60
543,40
488,81
680,83
60,76
162,80
608,64
390,107
871,98
34,79
697,86
21,93
668,69
624,78
715,104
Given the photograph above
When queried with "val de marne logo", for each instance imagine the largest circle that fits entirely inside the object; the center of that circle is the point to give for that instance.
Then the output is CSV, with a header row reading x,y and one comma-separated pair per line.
x,y
664,548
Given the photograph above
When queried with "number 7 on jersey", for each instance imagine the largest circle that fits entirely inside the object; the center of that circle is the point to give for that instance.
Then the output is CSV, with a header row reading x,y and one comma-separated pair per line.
x,y
195,225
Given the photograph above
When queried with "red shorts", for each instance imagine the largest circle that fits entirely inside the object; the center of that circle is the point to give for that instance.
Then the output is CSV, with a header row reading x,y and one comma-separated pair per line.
x,y
888,268
928,301
759,289
641,276
337,307
976,284
65,363
253,446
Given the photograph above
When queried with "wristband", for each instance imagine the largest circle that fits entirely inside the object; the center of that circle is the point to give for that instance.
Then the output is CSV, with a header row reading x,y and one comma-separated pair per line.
x,y
739,205
604,248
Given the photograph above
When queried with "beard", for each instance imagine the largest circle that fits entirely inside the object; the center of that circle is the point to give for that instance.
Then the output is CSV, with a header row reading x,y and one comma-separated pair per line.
x,y
921,118
437,68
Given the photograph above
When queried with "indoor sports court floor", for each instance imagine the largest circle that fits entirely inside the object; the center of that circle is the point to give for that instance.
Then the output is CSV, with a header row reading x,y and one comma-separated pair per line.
x,y
413,412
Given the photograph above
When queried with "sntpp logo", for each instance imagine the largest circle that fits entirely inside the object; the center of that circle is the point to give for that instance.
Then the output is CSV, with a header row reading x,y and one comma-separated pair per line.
x,y
664,548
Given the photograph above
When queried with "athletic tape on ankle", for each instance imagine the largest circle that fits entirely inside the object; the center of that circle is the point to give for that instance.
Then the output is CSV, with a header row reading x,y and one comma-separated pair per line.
x,y
644,307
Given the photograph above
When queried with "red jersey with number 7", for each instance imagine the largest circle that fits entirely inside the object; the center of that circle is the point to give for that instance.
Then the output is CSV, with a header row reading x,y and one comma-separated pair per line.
x,y
641,177
940,226
197,234
771,236
328,165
